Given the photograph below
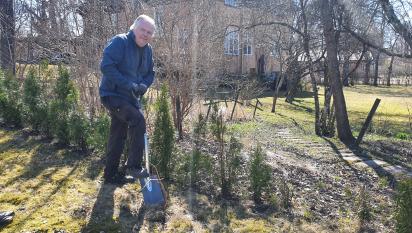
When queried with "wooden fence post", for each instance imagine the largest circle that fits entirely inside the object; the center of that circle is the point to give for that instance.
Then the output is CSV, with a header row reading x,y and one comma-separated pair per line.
x,y
367,121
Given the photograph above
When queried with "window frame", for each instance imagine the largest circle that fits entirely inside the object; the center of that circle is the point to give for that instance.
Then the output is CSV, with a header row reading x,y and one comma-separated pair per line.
x,y
247,43
231,41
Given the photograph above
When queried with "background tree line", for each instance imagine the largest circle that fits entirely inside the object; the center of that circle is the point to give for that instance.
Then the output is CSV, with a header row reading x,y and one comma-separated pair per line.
x,y
313,40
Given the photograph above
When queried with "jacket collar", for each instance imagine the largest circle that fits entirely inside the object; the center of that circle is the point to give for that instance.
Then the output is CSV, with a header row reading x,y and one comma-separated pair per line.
x,y
130,35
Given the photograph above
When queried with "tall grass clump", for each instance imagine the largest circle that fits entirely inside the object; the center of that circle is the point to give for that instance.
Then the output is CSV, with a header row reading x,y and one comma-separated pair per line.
x,y
362,203
163,135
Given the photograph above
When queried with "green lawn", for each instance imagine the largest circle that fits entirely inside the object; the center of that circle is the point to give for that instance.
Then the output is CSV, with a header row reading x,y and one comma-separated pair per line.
x,y
393,115
54,188
43,184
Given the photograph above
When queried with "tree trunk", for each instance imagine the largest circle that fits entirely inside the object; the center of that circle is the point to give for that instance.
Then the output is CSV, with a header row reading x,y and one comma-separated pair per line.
x,y
327,116
294,79
52,16
179,117
276,93
279,83
7,22
343,126
311,73
367,68
388,78
345,72
376,73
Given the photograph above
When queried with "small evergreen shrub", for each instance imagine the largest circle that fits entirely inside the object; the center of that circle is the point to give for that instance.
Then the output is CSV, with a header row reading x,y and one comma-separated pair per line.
x,y
163,135
234,162
218,130
404,206
229,160
217,126
194,168
34,112
63,106
260,174
99,135
79,130
10,100
200,127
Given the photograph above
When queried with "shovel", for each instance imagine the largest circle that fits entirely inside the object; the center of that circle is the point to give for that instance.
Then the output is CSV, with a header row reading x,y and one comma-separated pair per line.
x,y
154,193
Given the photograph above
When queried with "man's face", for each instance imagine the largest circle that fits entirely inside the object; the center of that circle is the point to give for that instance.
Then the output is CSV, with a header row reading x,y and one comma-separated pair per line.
x,y
143,33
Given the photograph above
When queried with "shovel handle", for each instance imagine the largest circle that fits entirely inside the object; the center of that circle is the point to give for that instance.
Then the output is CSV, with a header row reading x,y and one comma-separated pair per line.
x,y
146,150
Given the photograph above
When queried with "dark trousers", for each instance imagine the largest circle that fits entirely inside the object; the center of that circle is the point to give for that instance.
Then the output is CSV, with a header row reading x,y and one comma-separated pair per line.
x,y
126,119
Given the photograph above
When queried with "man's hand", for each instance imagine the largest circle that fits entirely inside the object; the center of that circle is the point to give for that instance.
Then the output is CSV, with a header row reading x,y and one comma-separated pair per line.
x,y
139,89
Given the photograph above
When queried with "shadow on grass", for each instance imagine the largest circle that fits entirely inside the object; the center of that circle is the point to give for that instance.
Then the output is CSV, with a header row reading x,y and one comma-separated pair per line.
x,y
42,160
358,152
393,152
45,200
47,156
101,218
298,107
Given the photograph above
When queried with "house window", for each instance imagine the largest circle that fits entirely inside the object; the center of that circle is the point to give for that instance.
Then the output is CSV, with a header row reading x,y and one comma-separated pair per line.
x,y
231,2
232,41
247,44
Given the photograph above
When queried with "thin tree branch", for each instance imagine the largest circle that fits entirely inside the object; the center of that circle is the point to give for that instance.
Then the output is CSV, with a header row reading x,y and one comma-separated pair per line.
x,y
396,23
372,45
276,23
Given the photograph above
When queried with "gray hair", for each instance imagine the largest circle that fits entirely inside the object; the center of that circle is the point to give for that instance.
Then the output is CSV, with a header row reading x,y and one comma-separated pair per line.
x,y
143,18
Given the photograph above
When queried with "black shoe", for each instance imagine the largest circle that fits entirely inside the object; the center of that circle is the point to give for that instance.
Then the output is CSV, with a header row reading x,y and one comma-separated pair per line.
x,y
6,213
6,218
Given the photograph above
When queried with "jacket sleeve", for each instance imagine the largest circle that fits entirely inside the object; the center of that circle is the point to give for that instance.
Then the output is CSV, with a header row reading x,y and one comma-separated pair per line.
x,y
148,79
112,56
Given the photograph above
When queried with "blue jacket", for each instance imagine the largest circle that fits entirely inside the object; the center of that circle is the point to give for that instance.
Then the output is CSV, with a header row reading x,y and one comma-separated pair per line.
x,y
121,67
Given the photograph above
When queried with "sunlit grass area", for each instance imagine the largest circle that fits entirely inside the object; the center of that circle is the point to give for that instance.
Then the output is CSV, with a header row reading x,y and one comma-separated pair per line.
x,y
44,185
393,115
58,188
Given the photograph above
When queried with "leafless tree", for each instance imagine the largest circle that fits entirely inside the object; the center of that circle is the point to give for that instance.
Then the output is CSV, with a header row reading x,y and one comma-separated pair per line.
x,y
7,39
342,121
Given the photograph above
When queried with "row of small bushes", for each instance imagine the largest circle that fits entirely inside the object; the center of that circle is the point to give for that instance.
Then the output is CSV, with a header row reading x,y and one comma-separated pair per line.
x,y
197,168
49,105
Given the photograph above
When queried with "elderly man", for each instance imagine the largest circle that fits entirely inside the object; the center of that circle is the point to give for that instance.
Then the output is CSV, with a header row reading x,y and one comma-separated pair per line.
x,y
127,68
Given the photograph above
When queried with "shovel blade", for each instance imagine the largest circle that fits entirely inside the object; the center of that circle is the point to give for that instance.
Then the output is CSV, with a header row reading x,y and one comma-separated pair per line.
x,y
153,191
